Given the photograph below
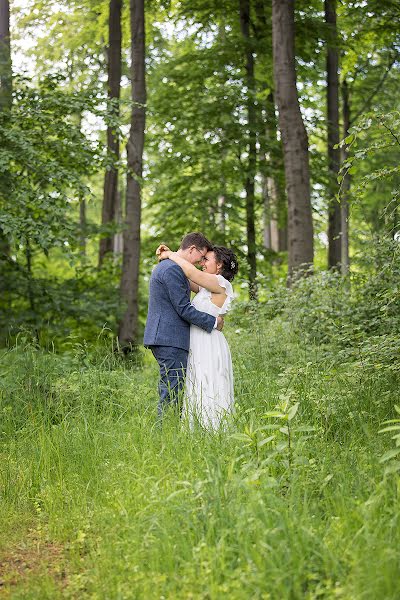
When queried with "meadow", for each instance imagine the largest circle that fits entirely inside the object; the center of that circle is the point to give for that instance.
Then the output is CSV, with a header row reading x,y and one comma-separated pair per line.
x,y
290,501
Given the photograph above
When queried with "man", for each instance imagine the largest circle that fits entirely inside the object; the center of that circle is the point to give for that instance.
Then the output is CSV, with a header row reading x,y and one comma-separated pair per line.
x,y
170,314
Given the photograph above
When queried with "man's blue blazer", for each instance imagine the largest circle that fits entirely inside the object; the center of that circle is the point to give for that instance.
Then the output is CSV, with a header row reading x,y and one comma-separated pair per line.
x,y
170,312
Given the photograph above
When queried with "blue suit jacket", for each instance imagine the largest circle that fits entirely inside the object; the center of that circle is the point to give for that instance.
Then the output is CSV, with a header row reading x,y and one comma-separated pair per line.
x,y
170,311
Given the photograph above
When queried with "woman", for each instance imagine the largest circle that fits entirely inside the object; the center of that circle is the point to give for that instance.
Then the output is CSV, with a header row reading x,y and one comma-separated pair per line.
x,y
209,380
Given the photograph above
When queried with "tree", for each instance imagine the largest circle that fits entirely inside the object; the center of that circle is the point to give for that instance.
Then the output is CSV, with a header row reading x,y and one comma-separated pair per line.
x,y
345,191
5,85
250,169
332,69
110,194
131,252
294,137
5,57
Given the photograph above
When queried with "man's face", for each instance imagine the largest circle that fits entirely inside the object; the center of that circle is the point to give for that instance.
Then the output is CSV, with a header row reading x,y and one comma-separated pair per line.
x,y
196,255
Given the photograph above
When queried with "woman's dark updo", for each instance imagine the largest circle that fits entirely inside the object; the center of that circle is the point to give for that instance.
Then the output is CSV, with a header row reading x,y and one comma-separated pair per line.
x,y
228,260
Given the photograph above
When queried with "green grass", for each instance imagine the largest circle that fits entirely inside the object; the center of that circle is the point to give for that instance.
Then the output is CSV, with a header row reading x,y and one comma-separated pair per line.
x,y
98,502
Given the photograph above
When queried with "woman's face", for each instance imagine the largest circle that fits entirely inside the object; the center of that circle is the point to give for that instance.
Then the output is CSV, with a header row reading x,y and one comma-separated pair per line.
x,y
209,263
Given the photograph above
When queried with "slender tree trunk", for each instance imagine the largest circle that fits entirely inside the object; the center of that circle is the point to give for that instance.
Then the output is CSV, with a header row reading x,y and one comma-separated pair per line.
x,y
275,189
131,254
295,140
118,237
5,57
5,87
267,217
82,226
221,212
344,201
114,86
332,69
244,6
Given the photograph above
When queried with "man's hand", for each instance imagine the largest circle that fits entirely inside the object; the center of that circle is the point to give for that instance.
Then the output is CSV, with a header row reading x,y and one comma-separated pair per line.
x,y
161,250
220,323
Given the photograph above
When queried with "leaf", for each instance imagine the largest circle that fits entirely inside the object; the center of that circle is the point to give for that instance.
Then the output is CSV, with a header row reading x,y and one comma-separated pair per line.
x,y
389,454
242,437
292,412
393,468
284,430
267,440
275,414
391,428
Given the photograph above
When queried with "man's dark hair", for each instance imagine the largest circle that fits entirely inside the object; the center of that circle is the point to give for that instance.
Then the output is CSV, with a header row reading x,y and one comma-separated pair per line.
x,y
196,239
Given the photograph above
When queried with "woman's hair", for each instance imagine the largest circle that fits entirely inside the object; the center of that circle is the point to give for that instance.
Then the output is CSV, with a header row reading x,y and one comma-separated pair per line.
x,y
229,261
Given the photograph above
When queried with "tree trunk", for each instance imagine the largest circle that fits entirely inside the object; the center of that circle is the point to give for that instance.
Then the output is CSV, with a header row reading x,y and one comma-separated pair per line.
x,y
114,86
131,253
344,201
267,216
295,140
5,87
276,191
332,69
118,237
5,57
82,226
222,214
251,165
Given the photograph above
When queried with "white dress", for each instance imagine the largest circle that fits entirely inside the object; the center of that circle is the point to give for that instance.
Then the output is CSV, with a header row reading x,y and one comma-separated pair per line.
x,y
209,378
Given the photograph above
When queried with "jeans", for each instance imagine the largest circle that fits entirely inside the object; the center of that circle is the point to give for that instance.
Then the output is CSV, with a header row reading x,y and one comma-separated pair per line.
x,y
172,362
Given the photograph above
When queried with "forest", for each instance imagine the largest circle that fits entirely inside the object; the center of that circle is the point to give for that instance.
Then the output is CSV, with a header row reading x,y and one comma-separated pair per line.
x,y
272,127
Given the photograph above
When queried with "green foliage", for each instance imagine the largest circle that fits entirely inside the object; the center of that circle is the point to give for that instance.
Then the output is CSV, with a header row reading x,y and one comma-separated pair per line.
x,y
45,161
373,146
345,312
85,469
392,427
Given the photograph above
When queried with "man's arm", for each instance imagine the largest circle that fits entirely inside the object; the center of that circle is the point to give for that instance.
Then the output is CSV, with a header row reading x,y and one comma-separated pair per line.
x,y
176,285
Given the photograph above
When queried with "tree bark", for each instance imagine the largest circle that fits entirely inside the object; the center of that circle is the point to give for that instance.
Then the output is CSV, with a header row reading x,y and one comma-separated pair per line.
x,y
5,88
114,86
267,216
131,253
118,237
332,69
295,140
244,6
82,226
344,200
5,57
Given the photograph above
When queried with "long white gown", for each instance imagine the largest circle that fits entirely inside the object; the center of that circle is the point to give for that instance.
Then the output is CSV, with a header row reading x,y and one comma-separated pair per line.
x,y
209,379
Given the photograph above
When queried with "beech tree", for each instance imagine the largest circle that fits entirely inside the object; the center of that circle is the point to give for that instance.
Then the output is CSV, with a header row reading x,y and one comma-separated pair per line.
x,y
5,56
294,137
250,168
131,252
5,84
110,193
332,69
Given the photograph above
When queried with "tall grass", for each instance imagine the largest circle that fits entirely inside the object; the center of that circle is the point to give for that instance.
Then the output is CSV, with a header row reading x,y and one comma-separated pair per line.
x,y
146,512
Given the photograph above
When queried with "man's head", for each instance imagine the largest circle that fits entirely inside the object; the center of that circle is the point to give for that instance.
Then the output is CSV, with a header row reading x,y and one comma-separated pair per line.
x,y
194,247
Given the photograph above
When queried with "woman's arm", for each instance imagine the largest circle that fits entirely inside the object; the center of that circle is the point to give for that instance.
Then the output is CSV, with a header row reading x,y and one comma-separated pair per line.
x,y
205,280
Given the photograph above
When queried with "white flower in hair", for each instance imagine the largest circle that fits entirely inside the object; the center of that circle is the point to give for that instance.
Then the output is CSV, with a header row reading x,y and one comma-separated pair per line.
x,y
233,264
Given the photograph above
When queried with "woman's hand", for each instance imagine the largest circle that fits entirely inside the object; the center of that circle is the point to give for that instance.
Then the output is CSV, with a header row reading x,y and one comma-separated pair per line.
x,y
163,252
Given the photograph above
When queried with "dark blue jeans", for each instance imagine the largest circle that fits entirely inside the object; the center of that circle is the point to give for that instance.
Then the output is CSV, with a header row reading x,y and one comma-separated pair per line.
x,y
172,363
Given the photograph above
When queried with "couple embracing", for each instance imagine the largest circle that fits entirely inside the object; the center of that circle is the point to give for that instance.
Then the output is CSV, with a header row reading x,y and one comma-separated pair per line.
x,y
186,337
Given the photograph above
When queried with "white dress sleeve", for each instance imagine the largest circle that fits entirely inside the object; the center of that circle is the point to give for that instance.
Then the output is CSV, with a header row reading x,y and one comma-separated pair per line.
x,y
227,305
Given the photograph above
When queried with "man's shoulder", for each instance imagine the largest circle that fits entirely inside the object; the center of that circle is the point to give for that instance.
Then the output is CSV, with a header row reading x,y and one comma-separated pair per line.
x,y
166,265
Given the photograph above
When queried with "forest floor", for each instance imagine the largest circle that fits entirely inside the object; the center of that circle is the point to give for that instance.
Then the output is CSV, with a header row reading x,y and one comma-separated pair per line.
x,y
98,502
